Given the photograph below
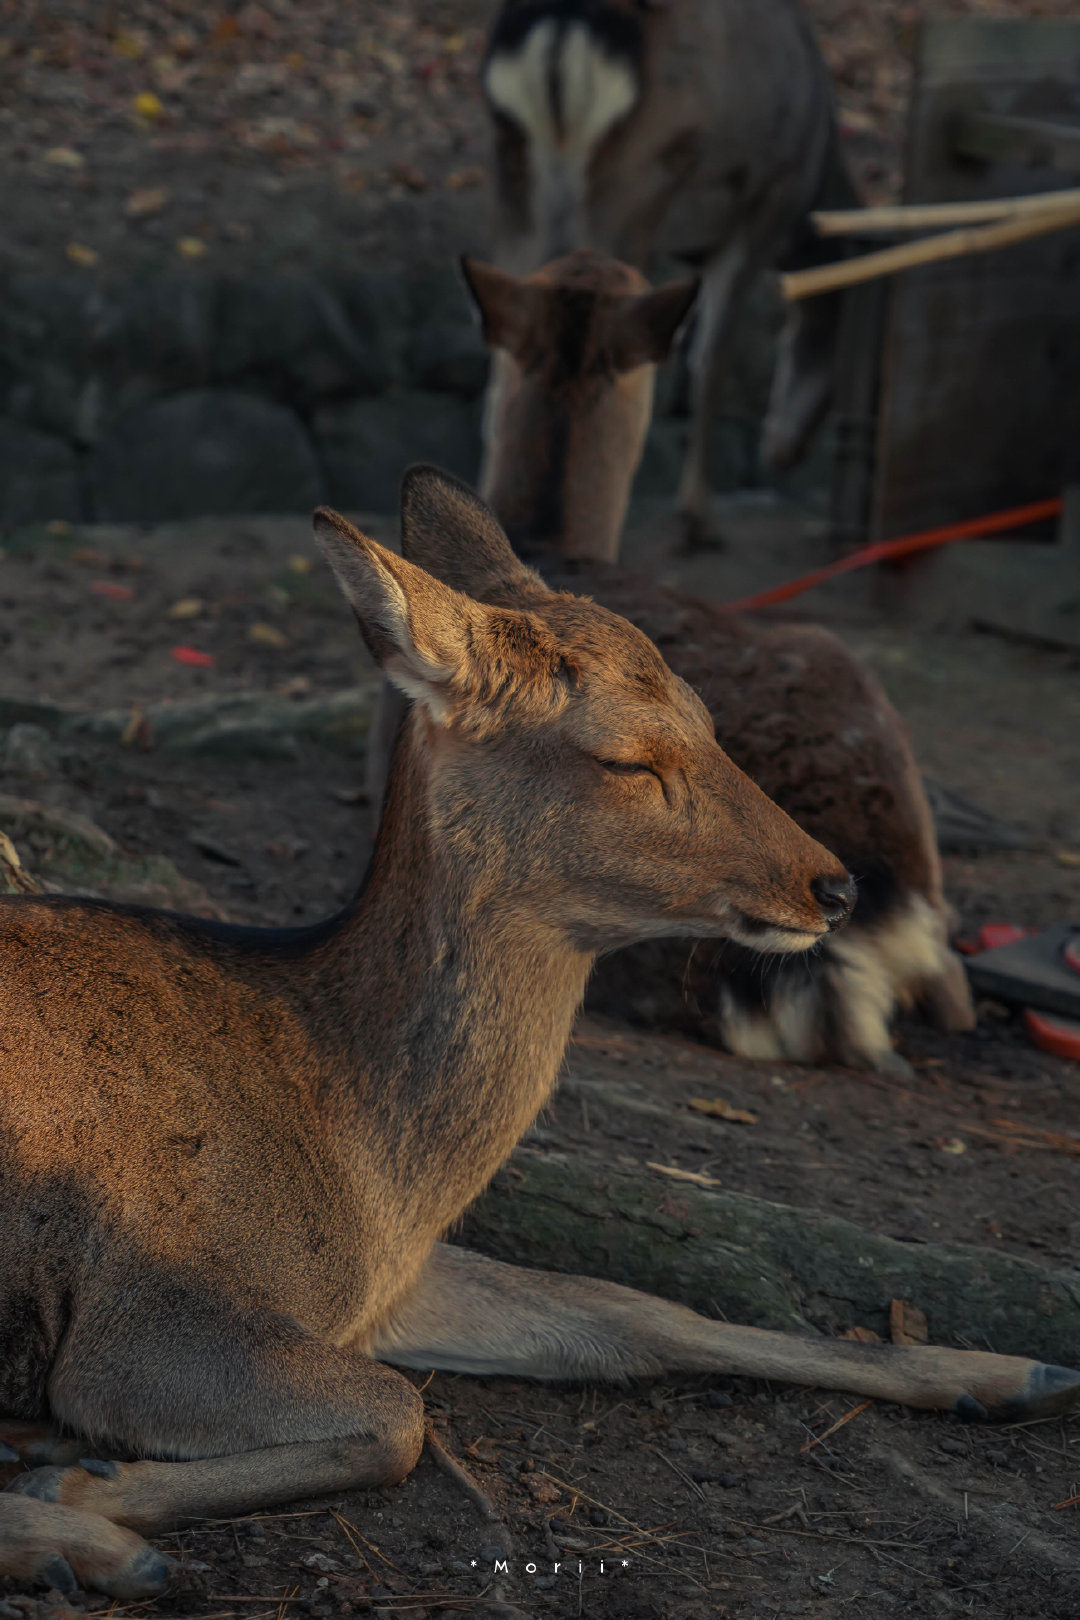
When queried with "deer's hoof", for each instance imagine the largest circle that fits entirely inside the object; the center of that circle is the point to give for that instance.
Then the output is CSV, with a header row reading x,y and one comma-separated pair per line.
x,y
7,1453
145,1574
55,1571
1047,1391
43,1484
99,1466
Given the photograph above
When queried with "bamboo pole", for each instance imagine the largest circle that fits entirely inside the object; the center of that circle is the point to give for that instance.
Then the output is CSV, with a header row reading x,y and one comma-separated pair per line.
x,y
929,250
928,216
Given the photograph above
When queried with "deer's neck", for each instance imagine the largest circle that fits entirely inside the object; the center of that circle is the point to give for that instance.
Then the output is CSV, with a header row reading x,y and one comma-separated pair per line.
x,y
458,1002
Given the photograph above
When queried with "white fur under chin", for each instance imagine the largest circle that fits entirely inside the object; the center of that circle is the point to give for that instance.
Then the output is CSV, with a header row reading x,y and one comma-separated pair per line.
x,y
866,976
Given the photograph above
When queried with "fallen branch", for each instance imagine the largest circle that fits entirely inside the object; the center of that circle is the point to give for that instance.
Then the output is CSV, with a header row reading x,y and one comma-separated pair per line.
x,y
765,1264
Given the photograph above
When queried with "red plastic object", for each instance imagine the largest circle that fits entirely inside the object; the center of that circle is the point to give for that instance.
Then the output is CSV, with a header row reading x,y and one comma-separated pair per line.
x,y
991,936
115,593
192,656
1053,1033
1072,955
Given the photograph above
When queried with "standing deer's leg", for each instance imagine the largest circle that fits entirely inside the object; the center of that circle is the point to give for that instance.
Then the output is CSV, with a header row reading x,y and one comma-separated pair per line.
x,y
261,1410
474,1315
802,385
724,285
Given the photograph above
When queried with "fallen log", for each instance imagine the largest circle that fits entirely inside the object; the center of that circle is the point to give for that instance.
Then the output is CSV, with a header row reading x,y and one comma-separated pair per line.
x,y
765,1264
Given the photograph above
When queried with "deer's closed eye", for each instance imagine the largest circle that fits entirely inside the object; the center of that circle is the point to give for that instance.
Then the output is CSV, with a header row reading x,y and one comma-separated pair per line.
x,y
627,767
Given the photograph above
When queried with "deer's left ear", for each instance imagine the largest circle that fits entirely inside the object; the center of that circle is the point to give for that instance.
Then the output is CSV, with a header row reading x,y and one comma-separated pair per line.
x,y
643,329
511,307
448,530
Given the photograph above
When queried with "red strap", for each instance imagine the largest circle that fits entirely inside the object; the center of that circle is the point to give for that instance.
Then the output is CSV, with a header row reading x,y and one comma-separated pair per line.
x,y
906,546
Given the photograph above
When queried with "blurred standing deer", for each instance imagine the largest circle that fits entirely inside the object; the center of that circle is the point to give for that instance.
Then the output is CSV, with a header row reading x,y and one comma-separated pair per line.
x,y
700,129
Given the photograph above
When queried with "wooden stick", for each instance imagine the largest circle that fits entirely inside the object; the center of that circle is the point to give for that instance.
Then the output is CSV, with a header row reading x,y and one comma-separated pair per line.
x,y
839,1424
929,250
925,216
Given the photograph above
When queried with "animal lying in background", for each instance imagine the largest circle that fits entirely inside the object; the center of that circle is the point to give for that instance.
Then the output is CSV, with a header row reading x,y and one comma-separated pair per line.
x,y
576,345
702,130
228,1156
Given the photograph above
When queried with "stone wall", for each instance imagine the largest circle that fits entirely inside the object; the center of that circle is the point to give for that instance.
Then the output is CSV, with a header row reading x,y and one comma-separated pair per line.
x,y
179,395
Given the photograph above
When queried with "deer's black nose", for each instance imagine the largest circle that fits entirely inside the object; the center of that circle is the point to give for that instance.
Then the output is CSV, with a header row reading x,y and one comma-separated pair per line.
x,y
835,896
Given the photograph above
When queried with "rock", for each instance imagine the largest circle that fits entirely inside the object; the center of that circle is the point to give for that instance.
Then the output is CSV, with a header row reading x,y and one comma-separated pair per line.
x,y
378,306
28,753
39,477
206,452
150,337
46,323
446,350
366,446
289,336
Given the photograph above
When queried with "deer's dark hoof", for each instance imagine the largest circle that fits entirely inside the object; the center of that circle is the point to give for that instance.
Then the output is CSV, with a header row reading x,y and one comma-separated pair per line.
x,y
971,1410
145,1574
100,1466
1047,1391
56,1571
7,1453
43,1484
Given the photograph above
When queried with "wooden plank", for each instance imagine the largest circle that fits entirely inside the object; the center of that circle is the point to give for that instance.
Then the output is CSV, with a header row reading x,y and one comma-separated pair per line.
x,y
980,406
995,138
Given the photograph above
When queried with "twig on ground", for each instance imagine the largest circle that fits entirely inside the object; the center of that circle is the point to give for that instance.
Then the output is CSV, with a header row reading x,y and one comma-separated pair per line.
x,y
839,1424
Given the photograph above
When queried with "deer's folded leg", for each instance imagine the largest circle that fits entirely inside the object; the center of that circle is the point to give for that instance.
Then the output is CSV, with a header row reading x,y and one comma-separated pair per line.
x,y
61,1547
475,1315
257,1409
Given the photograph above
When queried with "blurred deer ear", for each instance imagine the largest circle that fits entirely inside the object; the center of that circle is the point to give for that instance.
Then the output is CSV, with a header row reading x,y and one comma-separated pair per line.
x,y
643,329
448,530
511,308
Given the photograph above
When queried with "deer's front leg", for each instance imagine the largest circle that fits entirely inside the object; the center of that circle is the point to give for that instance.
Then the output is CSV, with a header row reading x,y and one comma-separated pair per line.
x,y
259,1410
475,1315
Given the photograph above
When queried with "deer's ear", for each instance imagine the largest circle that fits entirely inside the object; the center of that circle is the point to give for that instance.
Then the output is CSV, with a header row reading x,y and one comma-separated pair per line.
x,y
511,307
418,631
644,328
449,531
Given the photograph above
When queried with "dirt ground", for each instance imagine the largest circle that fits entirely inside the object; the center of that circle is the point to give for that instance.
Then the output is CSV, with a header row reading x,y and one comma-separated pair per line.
x,y
704,1488
270,132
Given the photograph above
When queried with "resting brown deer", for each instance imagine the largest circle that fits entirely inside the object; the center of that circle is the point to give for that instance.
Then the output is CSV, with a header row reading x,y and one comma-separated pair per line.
x,y
228,1156
700,129
575,350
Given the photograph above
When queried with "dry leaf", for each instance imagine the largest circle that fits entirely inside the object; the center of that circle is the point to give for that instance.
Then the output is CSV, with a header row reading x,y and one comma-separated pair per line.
x,y
267,635
136,733
191,247
541,1489
953,1145
683,1175
299,564
65,157
78,253
719,1109
141,204
148,106
188,607
907,1324
463,179
861,1335
408,175
1067,857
